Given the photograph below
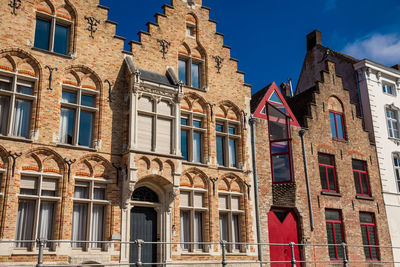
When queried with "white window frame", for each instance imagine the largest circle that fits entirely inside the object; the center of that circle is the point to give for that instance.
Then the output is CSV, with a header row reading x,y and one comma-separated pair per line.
x,y
13,95
390,121
90,201
79,91
192,209
396,167
191,116
53,21
189,61
191,27
230,212
38,199
227,136
392,86
155,115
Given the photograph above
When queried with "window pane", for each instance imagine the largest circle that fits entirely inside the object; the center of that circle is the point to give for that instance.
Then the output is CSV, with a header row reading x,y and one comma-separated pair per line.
x,y
195,75
232,153
61,35
220,151
197,147
185,229
184,199
364,235
364,182
22,117
223,202
164,135
184,144
278,124
99,193
372,240
358,165
331,179
184,121
197,123
97,226
235,203
24,87
198,199
28,186
198,229
331,240
68,97
236,230
79,224
339,239
49,187
325,159
42,34
322,173
67,122
333,124
4,109
339,124
366,218
232,130
357,182
281,168
146,104
145,132
279,147
332,215
5,83
182,71
85,129
223,227
25,217
81,190
46,221
219,127
88,100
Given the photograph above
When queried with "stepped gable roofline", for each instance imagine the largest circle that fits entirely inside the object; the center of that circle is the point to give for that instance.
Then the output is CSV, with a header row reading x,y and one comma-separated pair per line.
x,y
261,98
300,105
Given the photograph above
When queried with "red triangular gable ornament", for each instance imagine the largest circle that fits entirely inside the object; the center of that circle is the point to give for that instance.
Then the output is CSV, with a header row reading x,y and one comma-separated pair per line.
x,y
274,95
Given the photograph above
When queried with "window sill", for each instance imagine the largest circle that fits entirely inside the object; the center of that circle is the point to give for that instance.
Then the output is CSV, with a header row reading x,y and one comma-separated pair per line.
x,y
365,198
184,162
24,251
333,194
51,53
76,147
230,169
340,140
156,154
204,89
195,253
15,138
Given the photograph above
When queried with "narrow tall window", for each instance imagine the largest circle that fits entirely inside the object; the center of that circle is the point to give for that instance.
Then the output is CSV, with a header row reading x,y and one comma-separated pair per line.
x,y
337,128
369,236
37,201
16,103
396,162
392,122
89,213
193,131
334,229
53,34
190,71
230,216
227,141
327,172
78,113
361,179
192,214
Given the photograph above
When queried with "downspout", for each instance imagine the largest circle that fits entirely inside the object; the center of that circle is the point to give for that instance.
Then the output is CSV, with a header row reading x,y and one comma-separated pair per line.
x,y
301,133
252,121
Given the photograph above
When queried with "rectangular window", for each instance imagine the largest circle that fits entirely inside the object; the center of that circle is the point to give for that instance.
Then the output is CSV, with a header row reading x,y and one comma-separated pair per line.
x,y
392,123
25,222
4,108
195,75
369,236
67,122
56,40
337,129
182,71
61,36
236,231
145,130
388,89
223,226
220,151
334,229
22,118
184,144
327,172
185,229
42,34
163,135
198,230
197,147
79,224
232,153
85,129
97,225
396,160
361,179
46,220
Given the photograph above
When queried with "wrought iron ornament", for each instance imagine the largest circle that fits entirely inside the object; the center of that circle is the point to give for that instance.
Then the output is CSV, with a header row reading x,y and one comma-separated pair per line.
x,y
211,109
164,46
50,75
118,169
213,180
92,21
110,85
219,61
14,156
15,4
69,162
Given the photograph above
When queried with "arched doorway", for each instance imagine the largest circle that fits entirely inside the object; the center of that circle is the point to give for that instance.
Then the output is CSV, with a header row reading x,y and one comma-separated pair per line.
x,y
144,225
283,229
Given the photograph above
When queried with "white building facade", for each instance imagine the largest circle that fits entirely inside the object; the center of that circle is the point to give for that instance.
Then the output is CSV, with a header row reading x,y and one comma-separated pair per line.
x,y
379,90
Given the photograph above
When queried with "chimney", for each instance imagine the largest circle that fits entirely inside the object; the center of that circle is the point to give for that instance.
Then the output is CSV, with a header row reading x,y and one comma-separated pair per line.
x,y
397,67
313,39
285,90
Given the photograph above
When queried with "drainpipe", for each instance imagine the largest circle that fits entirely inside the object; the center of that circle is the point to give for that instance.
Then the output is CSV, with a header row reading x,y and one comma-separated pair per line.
x,y
252,121
301,133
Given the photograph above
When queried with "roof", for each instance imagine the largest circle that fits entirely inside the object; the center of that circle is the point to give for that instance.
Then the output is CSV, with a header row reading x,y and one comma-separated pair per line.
x,y
257,98
155,77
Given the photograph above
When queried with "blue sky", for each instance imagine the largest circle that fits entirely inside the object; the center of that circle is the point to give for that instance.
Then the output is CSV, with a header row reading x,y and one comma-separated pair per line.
x,y
268,37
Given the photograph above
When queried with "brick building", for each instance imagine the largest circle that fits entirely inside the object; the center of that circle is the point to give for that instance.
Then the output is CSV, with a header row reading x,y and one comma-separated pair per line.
x,y
82,156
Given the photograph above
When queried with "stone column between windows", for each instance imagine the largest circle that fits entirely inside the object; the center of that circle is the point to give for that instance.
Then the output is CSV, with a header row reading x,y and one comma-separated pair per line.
x,y
177,145
133,120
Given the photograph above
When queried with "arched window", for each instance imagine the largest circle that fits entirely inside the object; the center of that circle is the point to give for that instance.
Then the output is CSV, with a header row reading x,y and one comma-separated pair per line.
x,y
145,194
54,29
18,95
336,117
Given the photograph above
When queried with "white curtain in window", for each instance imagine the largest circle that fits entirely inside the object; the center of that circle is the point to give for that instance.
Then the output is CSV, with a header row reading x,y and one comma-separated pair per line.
x,y
196,147
235,230
46,223
232,152
24,229
81,190
4,101
79,224
185,229
198,229
97,230
22,116
66,125
223,227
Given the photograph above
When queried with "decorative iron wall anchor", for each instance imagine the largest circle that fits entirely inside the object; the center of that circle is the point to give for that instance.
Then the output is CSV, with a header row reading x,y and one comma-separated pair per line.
x,y
219,61
50,75
248,188
92,21
164,46
110,85
211,109
118,169
69,162
213,180
15,4
14,156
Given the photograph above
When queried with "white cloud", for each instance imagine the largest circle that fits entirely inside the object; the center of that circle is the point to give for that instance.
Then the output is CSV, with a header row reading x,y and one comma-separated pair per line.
x,y
382,48
329,5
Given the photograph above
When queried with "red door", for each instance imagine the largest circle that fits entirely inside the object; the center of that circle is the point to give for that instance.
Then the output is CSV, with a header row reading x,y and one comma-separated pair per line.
x,y
282,228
